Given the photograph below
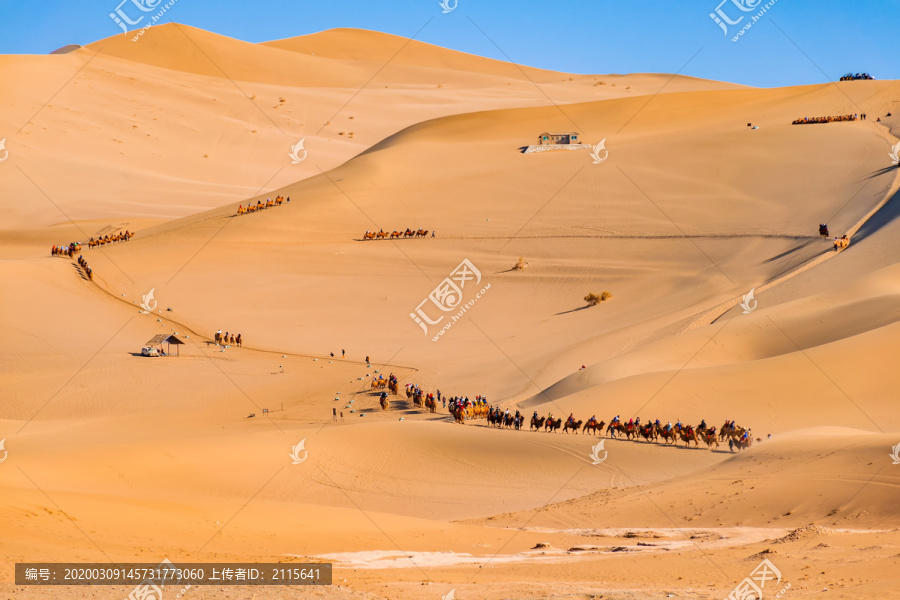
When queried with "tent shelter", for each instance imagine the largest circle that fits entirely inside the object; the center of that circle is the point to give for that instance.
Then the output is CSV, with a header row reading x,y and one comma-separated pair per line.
x,y
168,339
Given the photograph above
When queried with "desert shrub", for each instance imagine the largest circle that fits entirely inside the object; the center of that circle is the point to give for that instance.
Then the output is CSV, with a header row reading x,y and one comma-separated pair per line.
x,y
592,299
605,296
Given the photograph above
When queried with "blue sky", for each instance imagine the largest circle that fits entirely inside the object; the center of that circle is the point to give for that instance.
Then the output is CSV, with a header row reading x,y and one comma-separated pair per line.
x,y
795,42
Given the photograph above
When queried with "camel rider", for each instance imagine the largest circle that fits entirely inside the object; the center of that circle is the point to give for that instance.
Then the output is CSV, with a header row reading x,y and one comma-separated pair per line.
x,y
571,419
534,416
550,418
657,423
592,420
702,424
678,423
637,421
745,436
669,426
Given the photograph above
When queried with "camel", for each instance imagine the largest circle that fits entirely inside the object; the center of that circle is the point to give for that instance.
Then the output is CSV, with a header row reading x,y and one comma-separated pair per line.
x,y
739,443
379,384
537,423
369,236
385,403
710,438
279,200
409,233
553,425
574,426
594,425
382,235
422,233
647,432
392,386
241,210
270,203
687,438
616,429
396,234
668,435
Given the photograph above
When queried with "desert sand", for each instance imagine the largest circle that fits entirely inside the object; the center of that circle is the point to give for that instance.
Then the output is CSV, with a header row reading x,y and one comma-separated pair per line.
x,y
113,456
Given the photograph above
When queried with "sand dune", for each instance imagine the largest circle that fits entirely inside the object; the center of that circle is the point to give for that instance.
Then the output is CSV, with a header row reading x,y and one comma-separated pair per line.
x,y
114,456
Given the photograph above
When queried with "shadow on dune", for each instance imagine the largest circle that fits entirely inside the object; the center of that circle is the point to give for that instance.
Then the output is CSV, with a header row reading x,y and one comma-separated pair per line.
x,y
565,312
884,217
791,251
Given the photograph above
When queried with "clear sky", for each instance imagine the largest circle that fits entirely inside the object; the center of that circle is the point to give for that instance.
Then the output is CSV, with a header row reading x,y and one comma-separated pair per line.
x,y
795,42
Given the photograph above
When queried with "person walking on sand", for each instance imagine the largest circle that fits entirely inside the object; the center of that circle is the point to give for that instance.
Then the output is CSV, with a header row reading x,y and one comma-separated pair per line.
x,y
238,340
343,353
367,360
334,415
332,354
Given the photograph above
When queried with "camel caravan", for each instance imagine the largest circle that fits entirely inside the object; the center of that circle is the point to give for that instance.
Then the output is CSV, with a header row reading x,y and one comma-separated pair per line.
x,y
463,409
829,119
396,234
111,239
84,267
69,250
269,203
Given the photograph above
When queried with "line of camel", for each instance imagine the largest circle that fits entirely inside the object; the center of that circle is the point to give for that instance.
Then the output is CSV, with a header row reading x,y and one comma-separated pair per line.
x,y
261,206
383,235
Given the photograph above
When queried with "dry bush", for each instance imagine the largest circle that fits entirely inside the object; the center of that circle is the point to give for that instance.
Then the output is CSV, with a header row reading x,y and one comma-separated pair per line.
x,y
592,299
605,296
521,264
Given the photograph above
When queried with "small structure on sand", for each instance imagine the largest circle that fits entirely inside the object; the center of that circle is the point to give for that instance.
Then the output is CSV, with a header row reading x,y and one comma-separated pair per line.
x,y
556,141
168,339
